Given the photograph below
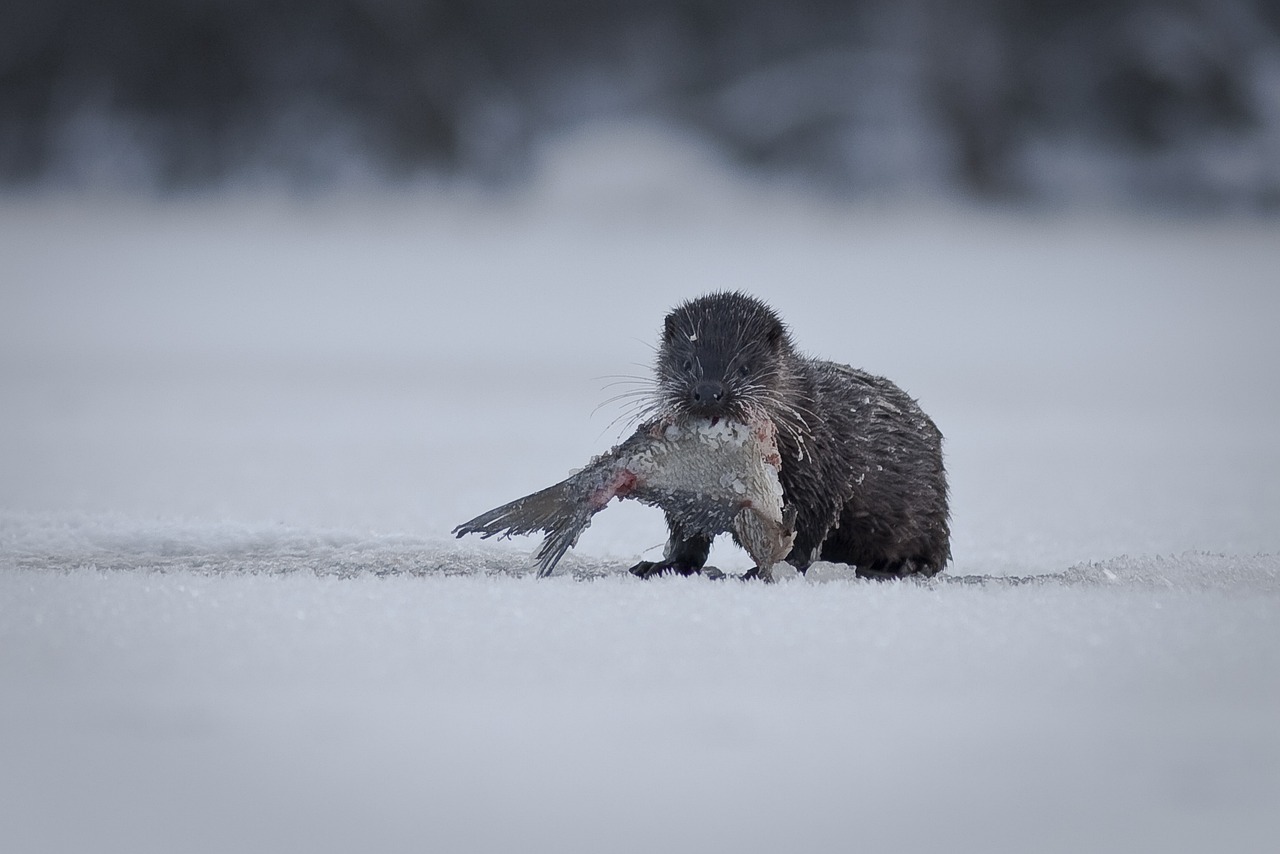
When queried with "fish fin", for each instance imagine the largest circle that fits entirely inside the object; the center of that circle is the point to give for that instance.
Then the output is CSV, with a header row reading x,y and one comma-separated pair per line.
x,y
766,540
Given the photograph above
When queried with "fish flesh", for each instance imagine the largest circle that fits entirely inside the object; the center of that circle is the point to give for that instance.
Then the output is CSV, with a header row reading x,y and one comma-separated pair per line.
x,y
714,475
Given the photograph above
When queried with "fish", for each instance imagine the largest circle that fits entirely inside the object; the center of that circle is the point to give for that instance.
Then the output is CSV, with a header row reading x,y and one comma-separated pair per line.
x,y
715,474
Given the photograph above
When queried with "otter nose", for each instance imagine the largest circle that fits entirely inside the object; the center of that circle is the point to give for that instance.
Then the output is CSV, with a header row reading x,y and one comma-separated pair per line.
x,y
708,392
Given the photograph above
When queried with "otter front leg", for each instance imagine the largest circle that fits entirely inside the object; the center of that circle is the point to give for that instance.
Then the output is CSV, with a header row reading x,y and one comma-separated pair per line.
x,y
683,555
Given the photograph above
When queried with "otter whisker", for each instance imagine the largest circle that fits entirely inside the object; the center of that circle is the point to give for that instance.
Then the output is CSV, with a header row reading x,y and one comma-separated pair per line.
x,y
630,419
630,403
631,394
624,379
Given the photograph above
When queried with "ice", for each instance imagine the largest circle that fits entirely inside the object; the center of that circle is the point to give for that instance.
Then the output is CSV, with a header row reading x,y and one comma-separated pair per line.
x,y
236,431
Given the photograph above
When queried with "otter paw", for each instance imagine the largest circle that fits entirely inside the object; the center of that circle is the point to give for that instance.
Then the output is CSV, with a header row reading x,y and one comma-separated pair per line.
x,y
755,574
884,570
652,569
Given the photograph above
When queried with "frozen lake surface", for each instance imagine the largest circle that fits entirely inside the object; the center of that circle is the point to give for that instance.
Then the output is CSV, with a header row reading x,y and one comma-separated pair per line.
x,y
237,432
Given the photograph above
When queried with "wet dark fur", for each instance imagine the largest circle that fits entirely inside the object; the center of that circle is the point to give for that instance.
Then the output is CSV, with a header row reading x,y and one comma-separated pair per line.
x,y
861,462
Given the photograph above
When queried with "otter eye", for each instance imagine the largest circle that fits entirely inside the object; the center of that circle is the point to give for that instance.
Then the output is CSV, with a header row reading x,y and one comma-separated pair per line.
x,y
688,364
744,370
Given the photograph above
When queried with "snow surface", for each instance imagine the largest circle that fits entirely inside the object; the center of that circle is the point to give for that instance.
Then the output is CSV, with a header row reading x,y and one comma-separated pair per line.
x,y
236,432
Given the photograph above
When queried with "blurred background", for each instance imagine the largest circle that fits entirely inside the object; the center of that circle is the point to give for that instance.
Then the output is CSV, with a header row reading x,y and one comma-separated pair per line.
x,y
1136,102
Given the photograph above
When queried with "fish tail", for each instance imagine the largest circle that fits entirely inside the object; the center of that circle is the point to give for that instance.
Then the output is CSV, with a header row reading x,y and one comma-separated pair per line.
x,y
540,511
558,541
556,510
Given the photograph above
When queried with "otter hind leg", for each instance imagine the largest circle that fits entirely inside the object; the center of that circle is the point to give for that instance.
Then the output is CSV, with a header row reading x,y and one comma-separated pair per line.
x,y
884,570
873,557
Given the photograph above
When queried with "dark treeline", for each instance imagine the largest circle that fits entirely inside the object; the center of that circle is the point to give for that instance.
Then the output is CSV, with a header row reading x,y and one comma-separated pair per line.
x,y
1152,101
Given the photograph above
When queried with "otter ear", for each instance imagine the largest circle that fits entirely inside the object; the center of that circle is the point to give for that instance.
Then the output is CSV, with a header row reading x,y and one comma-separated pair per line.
x,y
776,336
669,329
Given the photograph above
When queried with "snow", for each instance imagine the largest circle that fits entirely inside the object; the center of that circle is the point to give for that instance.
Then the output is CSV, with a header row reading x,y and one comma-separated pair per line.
x,y
237,430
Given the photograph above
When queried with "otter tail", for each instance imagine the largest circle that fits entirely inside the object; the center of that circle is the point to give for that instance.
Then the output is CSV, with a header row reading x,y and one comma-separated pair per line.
x,y
557,510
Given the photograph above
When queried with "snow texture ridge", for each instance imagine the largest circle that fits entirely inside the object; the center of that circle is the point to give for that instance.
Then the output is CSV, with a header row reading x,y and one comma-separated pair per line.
x,y
110,545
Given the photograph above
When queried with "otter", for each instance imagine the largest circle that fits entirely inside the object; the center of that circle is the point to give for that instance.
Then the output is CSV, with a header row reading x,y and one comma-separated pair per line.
x,y
861,465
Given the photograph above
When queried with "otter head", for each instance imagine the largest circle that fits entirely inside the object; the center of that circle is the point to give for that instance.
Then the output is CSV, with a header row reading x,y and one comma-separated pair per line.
x,y
721,356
